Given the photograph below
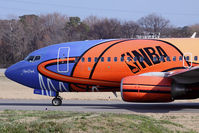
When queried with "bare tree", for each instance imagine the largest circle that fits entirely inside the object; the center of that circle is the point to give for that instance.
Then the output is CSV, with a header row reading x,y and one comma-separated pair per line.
x,y
31,26
129,29
153,23
180,32
105,28
91,21
52,29
11,41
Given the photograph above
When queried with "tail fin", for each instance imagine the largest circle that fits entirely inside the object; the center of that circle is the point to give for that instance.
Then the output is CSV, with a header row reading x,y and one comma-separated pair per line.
x,y
194,35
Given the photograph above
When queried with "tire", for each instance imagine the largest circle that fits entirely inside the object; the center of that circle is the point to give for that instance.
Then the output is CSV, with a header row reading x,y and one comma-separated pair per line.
x,y
56,102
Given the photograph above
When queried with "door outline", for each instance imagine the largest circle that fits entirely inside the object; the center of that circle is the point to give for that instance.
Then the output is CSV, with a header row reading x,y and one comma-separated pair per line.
x,y
185,60
58,58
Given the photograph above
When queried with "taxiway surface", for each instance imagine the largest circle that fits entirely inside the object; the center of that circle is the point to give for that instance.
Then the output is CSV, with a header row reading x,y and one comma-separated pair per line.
x,y
100,106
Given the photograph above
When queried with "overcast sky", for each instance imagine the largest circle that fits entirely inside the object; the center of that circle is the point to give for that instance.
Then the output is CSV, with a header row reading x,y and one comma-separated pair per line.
x,y
179,12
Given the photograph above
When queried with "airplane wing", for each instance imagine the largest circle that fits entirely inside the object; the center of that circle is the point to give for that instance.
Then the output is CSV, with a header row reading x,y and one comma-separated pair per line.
x,y
187,76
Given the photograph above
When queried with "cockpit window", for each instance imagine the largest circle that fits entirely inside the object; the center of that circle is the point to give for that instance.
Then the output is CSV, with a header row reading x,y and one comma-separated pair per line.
x,y
32,58
37,58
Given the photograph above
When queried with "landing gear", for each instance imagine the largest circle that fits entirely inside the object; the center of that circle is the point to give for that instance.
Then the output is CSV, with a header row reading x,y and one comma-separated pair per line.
x,y
57,101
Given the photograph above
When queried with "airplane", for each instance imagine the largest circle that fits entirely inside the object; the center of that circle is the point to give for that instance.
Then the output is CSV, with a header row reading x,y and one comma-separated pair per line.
x,y
144,70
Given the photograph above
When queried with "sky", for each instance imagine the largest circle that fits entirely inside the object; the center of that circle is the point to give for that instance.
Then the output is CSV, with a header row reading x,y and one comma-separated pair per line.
x,y
179,12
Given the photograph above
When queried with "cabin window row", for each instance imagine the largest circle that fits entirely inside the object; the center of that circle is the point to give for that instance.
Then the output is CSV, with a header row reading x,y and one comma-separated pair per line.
x,y
141,59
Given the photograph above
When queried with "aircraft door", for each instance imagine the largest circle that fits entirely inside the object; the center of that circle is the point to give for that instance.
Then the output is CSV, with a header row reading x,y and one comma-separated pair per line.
x,y
187,57
63,60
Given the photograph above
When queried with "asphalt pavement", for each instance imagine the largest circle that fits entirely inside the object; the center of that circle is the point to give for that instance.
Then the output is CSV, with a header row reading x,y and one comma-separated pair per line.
x,y
100,106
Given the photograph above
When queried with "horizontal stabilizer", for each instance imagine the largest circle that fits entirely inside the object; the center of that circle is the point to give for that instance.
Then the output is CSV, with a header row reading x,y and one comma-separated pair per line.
x,y
45,92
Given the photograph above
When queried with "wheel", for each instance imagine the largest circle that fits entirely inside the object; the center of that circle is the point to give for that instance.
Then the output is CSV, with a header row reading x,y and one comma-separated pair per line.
x,y
56,102
60,97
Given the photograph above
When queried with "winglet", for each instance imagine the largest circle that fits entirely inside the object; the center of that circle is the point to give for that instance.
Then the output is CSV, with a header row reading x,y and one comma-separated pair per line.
x,y
194,35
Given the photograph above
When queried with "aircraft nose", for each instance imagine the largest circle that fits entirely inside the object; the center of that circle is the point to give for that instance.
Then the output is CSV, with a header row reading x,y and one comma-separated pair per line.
x,y
22,73
11,73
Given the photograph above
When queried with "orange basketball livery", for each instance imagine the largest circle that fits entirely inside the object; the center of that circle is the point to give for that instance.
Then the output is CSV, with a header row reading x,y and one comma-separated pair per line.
x,y
144,70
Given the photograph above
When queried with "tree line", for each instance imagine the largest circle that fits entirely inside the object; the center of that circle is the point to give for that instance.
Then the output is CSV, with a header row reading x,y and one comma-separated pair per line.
x,y
19,37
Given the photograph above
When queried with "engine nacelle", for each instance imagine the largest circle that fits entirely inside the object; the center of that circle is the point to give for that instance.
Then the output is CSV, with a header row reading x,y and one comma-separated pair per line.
x,y
146,89
156,89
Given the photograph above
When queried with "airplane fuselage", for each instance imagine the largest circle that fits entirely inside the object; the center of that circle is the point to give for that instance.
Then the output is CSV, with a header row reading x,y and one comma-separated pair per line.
x,y
100,65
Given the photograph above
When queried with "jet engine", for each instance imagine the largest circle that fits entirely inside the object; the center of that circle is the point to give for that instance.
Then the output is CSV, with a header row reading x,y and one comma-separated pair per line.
x,y
155,89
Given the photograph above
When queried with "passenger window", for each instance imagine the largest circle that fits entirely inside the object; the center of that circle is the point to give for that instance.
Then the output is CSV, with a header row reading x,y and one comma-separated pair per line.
x,y
168,58
174,58
195,58
102,59
141,59
187,58
122,59
109,59
115,59
180,58
96,59
128,59
155,59
135,59
83,59
161,58
89,59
